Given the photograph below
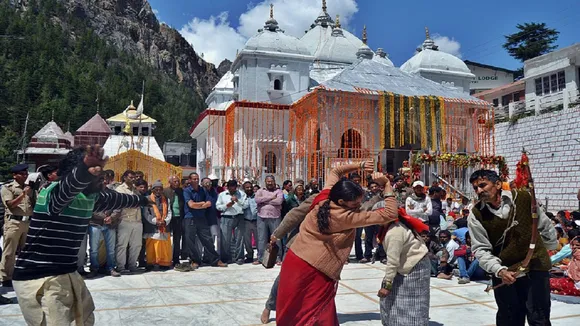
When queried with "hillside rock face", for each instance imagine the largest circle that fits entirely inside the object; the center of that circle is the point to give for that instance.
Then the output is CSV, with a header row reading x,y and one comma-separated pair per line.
x,y
131,26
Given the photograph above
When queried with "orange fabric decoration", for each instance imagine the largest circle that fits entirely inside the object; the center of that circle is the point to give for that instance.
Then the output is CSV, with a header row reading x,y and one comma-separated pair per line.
x,y
160,218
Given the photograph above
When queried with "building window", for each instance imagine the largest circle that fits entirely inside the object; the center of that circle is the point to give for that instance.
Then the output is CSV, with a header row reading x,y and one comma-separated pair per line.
x,y
561,80
551,84
516,96
270,162
495,102
277,84
554,83
505,100
546,85
538,86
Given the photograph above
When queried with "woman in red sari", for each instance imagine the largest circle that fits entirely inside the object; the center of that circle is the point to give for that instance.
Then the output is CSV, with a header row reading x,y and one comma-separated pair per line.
x,y
312,267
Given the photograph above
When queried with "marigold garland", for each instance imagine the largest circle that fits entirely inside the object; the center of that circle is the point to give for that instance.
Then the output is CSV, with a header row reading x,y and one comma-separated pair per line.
x,y
433,125
423,122
382,118
402,120
392,118
443,124
464,161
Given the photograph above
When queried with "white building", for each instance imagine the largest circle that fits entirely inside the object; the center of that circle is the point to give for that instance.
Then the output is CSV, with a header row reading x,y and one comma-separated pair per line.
x,y
294,107
553,79
488,77
545,124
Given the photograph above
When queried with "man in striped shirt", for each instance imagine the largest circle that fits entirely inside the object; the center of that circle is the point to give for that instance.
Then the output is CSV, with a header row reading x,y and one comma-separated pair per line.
x,y
48,287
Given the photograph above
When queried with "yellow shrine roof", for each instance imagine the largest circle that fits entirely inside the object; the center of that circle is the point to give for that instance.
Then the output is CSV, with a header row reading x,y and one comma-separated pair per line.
x,y
121,117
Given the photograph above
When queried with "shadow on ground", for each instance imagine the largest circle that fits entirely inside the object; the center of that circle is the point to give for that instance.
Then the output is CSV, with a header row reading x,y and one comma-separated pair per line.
x,y
343,318
368,316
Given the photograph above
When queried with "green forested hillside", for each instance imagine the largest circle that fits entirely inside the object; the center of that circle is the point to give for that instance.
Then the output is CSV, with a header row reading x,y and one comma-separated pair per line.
x,y
51,62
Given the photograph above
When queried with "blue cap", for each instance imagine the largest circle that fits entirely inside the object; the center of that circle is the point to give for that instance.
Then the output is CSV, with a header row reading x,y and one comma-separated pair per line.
x,y
19,168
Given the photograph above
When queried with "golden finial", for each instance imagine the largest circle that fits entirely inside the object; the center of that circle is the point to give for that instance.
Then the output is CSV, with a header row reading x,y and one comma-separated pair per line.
x,y
364,38
271,11
337,23
324,5
427,33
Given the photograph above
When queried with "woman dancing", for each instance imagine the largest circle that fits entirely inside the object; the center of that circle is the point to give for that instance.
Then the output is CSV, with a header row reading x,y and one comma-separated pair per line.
x,y
312,267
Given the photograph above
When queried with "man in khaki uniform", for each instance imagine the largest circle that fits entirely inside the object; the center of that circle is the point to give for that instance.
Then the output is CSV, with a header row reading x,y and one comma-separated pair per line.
x,y
17,201
130,230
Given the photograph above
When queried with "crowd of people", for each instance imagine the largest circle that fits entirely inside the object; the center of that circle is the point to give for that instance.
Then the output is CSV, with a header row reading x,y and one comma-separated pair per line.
x,y
418,232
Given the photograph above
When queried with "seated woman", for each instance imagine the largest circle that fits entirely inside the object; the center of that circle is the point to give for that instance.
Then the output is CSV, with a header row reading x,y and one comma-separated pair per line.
x,y
570,284
405,288
312,267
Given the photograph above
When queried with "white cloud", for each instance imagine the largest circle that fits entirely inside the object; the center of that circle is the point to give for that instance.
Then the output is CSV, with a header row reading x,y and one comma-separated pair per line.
x,y
217,39
448,45
214,37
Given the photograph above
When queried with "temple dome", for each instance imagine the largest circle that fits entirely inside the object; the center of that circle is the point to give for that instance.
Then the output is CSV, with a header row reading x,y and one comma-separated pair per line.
x,y
272,39
338,48
226,82
429,59
382,57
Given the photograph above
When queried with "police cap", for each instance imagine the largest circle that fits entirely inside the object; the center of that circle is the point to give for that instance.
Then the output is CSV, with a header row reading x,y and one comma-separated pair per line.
x,y
19,168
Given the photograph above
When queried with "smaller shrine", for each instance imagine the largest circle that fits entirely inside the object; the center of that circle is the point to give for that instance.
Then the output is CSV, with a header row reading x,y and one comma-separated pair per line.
x,y
132,130
48,146
131,146
94,131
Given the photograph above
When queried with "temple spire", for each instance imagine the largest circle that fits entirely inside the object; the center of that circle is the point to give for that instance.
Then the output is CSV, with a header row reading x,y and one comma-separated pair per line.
x,y
364,35
324,6
428,43
271,24
337,23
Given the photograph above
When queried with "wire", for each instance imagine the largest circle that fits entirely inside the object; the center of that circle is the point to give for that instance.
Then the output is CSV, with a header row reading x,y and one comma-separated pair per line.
x,y
524,34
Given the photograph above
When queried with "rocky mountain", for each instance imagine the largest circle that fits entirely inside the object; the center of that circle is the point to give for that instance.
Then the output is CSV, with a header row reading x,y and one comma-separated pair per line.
x,y
131,25
224,67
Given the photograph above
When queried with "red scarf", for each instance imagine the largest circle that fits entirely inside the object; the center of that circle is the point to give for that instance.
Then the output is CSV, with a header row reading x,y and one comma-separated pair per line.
x,y
415,224
322,196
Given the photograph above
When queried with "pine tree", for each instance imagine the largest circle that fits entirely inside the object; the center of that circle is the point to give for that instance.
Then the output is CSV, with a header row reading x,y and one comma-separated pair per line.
x,y
532,40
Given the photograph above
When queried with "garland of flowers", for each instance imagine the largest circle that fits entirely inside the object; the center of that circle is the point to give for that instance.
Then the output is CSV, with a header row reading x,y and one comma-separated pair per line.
x,y
461,161
382,119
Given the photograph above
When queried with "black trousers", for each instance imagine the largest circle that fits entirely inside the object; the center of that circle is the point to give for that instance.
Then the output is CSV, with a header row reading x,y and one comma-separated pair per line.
x,y
528,297
370,234
177,232
358,244
194,228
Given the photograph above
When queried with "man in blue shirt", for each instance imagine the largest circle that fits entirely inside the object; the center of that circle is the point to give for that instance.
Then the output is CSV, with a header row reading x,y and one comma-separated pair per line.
x,y
195,226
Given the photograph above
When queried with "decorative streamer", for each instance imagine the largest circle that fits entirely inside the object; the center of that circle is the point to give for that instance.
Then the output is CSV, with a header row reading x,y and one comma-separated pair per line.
x,y
392,118
401,121
382,122
433,125
423,122
443,125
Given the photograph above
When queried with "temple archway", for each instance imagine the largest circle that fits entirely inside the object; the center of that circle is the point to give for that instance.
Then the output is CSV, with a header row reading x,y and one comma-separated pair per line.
x,y
350,144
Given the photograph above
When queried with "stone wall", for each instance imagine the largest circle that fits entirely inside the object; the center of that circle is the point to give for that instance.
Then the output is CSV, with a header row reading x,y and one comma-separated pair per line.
x,y
553,143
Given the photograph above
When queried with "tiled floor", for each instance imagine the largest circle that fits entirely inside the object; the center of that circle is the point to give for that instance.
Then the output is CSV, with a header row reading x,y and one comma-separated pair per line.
x,y
236,296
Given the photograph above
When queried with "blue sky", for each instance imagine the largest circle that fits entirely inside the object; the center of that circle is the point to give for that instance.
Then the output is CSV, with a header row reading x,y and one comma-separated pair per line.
x,y
473,30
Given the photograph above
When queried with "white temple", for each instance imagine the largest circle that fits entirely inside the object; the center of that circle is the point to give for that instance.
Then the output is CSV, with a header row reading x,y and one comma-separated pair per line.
x,y
282,70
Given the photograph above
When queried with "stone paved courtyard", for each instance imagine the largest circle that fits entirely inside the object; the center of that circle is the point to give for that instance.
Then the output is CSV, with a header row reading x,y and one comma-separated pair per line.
x,y
236,296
